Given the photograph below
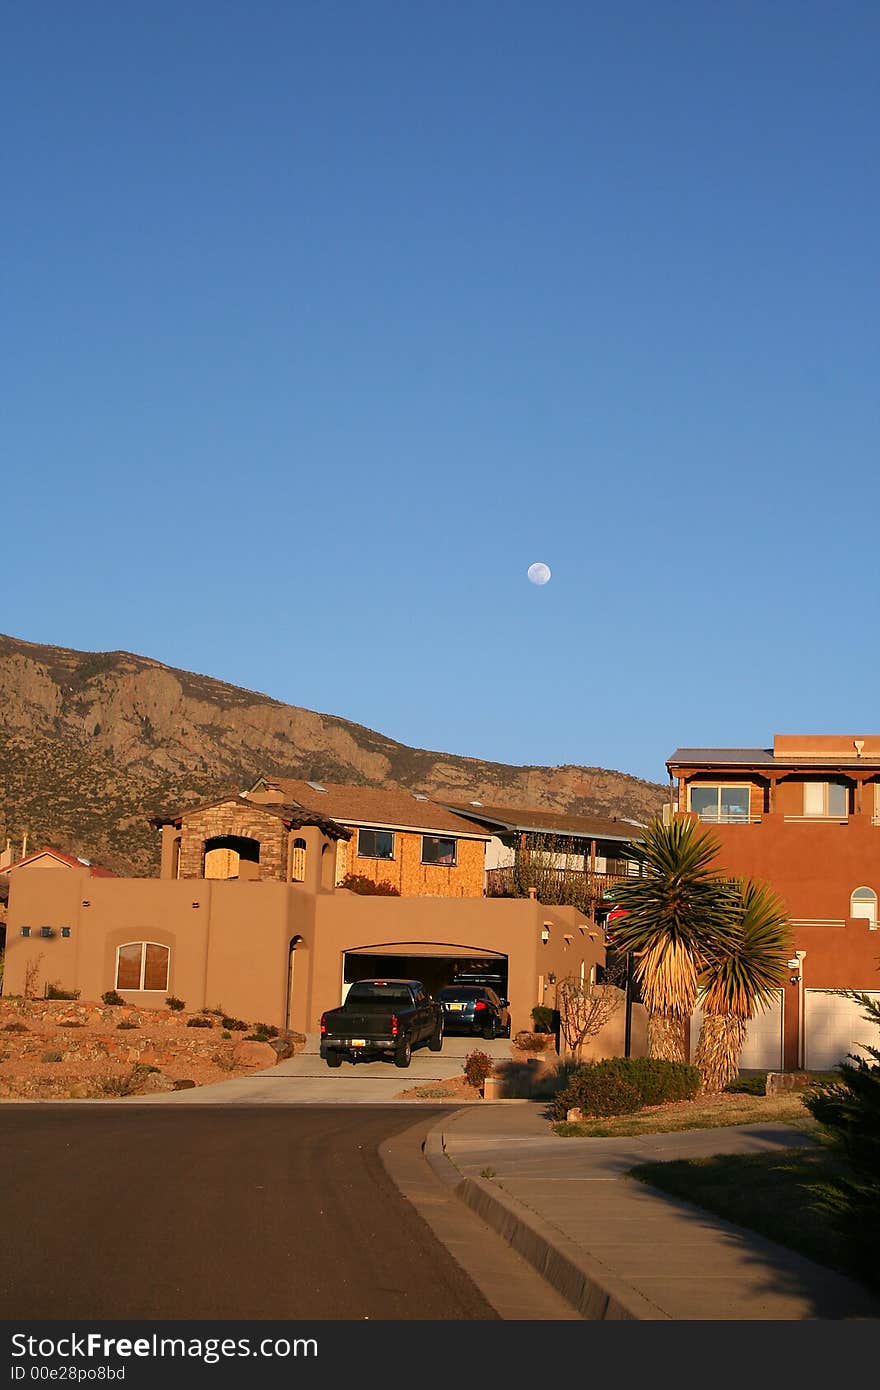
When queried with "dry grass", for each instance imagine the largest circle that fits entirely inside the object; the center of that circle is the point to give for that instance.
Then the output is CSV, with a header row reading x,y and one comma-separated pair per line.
x,y
706,1112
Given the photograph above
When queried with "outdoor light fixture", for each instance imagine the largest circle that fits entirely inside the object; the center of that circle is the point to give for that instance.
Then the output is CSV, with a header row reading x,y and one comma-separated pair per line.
x,y
25,931
296,940
85,904
195,904
65,931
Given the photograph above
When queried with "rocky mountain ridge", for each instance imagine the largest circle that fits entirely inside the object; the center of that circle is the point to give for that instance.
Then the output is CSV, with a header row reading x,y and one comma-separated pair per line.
x,y
93,743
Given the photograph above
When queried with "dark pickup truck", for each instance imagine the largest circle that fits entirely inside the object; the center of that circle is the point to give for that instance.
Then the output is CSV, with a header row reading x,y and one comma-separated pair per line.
x,y
381,1016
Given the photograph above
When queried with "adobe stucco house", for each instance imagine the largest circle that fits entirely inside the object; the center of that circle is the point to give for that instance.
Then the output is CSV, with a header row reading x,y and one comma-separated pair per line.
x,y
803,816
246,916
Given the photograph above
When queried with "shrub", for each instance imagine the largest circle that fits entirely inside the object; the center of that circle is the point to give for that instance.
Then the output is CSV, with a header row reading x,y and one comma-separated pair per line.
x,y
70,1023
236,1025
359,883
748,1085
256,1037
56,992
268,1028
199,1023
219,1011
655,1080
477,1066
51,1057
596,1091
175,1004
543,1018
224,1034
112,999
126,1023
531,1042
15,1028
621,1085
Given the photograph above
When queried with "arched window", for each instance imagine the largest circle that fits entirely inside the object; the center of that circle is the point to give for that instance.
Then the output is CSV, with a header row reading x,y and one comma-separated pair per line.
x,y
863,903
143,965
298,861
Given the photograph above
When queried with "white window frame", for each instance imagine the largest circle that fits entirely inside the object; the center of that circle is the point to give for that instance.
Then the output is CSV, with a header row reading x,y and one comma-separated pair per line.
x,y
376,830
825,814
140,987
872,919
720,787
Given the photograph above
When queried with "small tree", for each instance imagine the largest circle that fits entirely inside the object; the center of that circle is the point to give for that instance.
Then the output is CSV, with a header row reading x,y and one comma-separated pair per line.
x,y
585,1008
359,883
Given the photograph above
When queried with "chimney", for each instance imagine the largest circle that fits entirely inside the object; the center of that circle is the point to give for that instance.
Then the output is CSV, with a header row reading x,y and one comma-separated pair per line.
x,y
24,839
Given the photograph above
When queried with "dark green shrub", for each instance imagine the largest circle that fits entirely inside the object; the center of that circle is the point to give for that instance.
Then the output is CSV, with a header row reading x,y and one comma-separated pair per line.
x,y
655,1081
126,1023
543,1018
199,1023
224,1034
268,1029
749,1085
236,1025
477,1066
595,1091
55,992
256,1037
112,999
175,1004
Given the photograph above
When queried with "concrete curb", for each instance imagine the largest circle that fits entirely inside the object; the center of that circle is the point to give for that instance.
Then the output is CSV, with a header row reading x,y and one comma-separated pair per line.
x,y
592,1290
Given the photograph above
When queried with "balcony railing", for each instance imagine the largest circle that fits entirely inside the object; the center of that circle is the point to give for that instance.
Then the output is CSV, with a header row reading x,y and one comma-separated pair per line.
x,y
553,885
727,818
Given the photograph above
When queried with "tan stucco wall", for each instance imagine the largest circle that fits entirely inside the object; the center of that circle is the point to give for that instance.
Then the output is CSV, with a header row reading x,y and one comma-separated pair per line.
x,y
411,877
229,941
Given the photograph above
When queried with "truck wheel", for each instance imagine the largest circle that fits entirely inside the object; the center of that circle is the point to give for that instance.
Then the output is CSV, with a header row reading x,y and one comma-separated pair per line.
x,y
403,1053
334,1059
435,1043
490,1031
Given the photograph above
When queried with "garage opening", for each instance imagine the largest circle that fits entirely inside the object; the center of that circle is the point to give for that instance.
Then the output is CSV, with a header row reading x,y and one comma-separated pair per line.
x,y
435,964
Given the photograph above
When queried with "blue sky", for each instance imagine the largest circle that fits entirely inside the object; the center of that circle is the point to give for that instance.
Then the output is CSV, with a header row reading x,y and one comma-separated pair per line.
x,y
322,321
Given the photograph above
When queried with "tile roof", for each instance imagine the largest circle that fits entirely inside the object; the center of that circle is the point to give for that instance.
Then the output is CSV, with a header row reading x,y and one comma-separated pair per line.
x,y
381,806
763,757
746,756
555,822
96,870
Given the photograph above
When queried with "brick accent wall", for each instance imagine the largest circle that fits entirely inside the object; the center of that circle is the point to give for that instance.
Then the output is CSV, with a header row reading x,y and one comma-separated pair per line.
x,y
233,818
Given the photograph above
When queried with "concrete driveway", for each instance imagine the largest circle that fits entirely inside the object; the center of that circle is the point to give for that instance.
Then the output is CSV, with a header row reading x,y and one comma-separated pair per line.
x,y
307,1080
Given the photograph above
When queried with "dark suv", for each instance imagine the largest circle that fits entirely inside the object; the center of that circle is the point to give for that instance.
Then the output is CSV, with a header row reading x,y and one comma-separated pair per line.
x,y
474,1009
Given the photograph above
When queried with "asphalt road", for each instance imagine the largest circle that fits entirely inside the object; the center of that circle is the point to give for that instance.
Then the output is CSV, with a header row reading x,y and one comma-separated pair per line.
x,y
216,1213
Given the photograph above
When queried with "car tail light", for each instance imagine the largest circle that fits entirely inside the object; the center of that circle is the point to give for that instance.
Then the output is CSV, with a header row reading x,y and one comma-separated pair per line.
x,y
480,1004
323,1023
394,1025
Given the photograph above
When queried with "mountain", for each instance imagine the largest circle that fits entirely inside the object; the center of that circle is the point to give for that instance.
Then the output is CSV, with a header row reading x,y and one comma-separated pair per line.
x,y
93,743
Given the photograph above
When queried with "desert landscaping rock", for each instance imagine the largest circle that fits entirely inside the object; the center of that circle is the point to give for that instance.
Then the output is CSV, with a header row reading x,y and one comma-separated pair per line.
x,y
255,1054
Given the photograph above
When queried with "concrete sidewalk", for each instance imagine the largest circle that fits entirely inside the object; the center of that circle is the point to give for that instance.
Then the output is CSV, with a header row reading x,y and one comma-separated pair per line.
x,y
616,1248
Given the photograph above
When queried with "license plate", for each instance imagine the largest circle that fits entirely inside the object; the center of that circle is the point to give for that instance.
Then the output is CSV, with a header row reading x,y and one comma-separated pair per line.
x,y
358,1042
455,1008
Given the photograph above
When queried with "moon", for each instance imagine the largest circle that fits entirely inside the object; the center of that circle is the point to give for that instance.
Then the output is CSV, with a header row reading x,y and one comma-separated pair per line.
x,y
539,573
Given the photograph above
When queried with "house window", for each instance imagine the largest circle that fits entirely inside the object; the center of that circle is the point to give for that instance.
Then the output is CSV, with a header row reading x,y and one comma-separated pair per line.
x,y
438,850
825,799
719,804
863,903
375,844
142,965
298,861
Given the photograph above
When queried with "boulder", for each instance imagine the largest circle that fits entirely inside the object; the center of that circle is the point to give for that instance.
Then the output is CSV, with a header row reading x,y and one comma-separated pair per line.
x,y
156,1081
254,1054
282,1047
184,1084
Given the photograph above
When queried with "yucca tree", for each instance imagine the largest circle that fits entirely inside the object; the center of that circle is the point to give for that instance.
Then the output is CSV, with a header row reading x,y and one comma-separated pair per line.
x,y
677,909
739,978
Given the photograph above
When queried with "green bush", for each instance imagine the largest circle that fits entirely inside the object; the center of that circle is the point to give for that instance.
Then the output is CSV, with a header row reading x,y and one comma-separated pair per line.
x,y
748,1085
56,992
543,1018
596,1092
268,1029
224,1034
199,1023
112,999
655,1080
359,883
477,1066
174,1003
236,1025
622,1085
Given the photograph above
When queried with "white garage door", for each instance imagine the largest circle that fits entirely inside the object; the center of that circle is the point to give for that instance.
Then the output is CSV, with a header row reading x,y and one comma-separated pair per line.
x,y
834,1026
763,1049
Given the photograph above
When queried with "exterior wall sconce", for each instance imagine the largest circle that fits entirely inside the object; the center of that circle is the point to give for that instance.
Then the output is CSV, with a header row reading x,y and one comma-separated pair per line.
x,y
195,904
25,931
65,931
46,931
86,904
545,935
551,978
296,940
